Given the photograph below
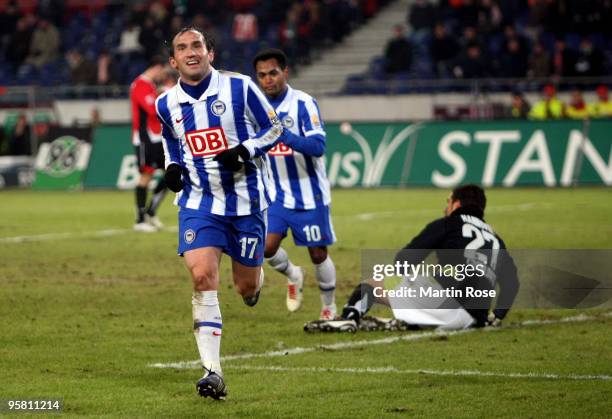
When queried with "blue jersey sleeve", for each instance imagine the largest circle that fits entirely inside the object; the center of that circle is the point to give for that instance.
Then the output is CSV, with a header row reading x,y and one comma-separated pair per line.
x,y
312,143
263,116
171,143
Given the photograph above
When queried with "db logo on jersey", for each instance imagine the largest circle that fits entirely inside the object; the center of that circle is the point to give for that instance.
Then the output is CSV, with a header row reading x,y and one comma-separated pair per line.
x,y
280,149
206,142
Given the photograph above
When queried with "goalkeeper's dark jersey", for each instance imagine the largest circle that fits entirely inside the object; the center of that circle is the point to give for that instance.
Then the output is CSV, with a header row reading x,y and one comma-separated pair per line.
x,y
466,229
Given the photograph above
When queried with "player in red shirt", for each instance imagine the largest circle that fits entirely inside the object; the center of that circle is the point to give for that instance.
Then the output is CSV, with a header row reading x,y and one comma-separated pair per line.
x,y
147,141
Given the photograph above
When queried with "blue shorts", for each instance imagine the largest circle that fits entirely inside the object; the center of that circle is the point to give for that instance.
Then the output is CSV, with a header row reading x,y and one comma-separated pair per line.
x,y
309,228
240,237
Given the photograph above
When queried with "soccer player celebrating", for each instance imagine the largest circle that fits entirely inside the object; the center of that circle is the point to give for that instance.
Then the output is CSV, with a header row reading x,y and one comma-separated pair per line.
x,y
463,227
300,189
217,127
147,141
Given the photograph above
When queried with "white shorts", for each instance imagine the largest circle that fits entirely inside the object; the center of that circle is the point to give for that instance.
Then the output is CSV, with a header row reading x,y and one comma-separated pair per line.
x,y
415,312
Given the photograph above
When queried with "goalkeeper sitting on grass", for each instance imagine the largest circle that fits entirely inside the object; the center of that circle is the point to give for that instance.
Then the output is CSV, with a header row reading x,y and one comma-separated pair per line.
x,y
460,238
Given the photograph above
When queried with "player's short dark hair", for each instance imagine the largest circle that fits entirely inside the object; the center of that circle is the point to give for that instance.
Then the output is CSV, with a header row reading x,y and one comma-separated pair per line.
x,y
208,40
470,196
156,60
270,53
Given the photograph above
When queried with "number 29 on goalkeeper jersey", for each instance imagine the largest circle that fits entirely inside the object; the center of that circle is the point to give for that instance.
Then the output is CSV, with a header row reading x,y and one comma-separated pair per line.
x,y
231,111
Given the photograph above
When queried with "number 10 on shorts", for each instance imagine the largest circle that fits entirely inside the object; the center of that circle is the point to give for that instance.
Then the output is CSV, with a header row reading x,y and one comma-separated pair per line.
x,y
313,233
248,244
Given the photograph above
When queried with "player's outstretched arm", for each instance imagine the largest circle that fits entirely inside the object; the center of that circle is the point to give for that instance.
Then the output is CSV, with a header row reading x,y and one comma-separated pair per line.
x,y
313,145
262,115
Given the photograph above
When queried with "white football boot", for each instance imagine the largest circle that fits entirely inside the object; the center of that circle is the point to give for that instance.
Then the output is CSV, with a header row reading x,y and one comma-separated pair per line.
x,y
144,228
154,221
295,289
328,312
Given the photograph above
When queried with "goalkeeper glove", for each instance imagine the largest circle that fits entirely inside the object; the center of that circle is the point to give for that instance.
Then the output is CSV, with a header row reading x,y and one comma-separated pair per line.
x,y
173,178
230,159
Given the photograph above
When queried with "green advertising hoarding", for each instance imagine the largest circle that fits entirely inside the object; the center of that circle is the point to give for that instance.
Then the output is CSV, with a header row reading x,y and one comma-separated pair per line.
x,y
446,154
440,154
112,163
62,159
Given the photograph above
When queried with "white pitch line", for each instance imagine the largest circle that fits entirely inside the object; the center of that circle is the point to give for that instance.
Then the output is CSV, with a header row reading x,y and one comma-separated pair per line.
x,y
299,350
365,216
361,343
456,373
72,235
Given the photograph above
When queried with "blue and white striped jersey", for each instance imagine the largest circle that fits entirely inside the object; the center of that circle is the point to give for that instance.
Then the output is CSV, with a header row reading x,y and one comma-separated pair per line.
x,y
231,111
299,178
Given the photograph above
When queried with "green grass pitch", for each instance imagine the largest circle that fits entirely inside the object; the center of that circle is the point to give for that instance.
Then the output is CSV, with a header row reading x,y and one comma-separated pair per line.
x,y
87,305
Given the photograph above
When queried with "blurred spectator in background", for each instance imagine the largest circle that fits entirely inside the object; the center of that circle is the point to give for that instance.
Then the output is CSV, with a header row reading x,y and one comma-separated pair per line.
x,y
398,52
45,44
128,42
466,12
8,21
537,12
603,107
137,11
520,107
175,25
471,64
549,107
294,34
341,14
106,70
443,49
159,13
469,36
288,32
576,108
539,62
422,17
19,42
214,10
51,10
318,29
19,141
589,61
563,60
82,71
151,37
557,17
510,33
245,27
489,17
513,60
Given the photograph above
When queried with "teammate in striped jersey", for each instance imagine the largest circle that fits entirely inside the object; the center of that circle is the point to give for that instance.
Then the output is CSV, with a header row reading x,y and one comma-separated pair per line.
x,y
216,128
300,189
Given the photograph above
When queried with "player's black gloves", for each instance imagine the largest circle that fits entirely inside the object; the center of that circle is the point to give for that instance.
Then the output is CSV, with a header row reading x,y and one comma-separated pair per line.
x,y
173,178
230,159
